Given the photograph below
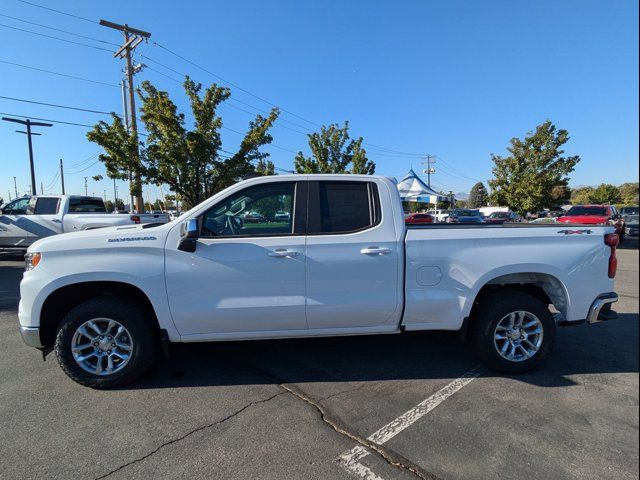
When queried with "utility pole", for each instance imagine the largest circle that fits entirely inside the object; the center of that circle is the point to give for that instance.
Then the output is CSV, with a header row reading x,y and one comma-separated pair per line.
x,y
28,123
41,188
62,176
115,192
430,161
125,112
85,187
9,194
15,187
132,38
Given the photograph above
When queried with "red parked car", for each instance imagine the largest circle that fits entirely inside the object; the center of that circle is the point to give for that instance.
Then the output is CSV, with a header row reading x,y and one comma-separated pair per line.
x,y
596,215
418,218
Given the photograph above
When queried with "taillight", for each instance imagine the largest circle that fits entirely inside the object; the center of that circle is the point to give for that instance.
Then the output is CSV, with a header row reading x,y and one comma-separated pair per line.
x,y
612,240
135,219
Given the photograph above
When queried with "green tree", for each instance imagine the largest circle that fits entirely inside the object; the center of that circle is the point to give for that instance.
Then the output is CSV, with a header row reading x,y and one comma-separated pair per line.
x,y
188,160
581,196
121,154
629,192
525,179
265,167
478,196
560,195
333,151
605,193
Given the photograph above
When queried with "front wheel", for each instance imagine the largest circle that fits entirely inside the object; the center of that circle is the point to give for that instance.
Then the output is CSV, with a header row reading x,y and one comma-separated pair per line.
x,y
513,332
105,342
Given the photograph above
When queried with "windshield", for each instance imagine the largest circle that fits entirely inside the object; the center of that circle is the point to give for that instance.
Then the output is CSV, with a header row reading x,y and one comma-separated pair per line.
x,y
630,211
582,210
499,215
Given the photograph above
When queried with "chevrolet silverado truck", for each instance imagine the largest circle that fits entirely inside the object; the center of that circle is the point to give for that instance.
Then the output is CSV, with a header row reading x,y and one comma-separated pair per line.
x,y
342,263
25,220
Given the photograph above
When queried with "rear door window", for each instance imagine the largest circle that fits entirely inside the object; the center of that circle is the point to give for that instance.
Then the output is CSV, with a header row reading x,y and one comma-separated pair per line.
x,y
343,207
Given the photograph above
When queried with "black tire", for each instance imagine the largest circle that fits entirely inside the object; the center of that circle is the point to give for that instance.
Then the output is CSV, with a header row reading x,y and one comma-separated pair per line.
x,y
144,338
491,310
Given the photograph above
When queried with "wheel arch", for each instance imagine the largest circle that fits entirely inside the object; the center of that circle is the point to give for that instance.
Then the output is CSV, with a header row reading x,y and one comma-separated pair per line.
x,y
545,286
62,300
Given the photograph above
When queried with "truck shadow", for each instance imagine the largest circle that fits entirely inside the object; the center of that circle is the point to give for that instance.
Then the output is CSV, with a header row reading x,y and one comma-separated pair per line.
x,y
603,348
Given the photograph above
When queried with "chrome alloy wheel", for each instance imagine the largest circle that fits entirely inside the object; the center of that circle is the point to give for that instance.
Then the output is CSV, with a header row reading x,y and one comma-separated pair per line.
x,y
101,346
518,336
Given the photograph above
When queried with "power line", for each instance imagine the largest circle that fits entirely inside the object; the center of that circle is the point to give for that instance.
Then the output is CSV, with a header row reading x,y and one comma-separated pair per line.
x,y
370,145
89,158
55,38
83,169
48,120
58,30
54,105
60,74
233,84
58,11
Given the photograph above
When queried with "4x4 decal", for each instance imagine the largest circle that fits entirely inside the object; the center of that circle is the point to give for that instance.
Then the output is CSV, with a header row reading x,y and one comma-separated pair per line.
x,y
575,232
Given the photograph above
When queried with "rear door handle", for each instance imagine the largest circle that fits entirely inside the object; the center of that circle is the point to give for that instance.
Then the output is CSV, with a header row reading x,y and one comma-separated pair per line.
x,y
283,253
375,251
55,220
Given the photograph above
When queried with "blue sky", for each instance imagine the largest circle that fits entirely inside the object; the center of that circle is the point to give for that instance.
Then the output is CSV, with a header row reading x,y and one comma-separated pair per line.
x,y
456,79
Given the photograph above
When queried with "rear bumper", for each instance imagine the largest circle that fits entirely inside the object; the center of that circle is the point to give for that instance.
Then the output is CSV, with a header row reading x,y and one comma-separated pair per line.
x,y
31,336
601,308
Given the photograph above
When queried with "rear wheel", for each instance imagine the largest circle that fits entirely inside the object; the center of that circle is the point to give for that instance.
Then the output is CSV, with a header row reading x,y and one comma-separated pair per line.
x,y
513,332
106,342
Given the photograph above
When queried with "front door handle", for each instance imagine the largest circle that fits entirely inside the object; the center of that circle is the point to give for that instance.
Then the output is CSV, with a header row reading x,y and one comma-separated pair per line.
x,y
375,251
56,220
283,253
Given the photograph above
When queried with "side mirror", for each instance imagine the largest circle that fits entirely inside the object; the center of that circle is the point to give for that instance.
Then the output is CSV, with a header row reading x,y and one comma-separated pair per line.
x,y
189,233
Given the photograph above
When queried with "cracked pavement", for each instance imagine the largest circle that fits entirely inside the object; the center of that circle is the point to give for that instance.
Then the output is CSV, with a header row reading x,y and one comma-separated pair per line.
x,y
288,409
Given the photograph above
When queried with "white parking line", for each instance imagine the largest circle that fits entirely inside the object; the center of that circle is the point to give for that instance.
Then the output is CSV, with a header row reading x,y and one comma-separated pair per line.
x,y
351,459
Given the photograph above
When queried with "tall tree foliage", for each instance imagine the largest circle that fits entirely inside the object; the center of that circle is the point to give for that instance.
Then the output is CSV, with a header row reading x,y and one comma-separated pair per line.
x,y
605,194
121,156
333,151
187,159
525,179
477,196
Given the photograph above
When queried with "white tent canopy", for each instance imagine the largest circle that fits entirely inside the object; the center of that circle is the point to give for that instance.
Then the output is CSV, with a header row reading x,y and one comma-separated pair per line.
x,y
413,189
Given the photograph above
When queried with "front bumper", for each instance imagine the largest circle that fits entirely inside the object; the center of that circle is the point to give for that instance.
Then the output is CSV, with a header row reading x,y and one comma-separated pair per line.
x,y
601,308
31,336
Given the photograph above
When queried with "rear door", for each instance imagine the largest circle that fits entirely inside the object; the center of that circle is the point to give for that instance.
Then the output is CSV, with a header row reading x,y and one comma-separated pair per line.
x,y
352,257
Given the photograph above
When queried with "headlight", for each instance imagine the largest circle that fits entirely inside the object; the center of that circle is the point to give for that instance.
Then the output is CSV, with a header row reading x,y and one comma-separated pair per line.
x,y
32,259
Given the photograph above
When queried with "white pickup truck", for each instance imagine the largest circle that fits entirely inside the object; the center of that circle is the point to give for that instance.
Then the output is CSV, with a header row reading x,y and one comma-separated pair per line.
x,y
342,263
27,219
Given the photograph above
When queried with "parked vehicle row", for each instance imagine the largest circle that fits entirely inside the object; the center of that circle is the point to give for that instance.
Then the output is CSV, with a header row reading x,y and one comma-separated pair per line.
x,y
28,219
345,264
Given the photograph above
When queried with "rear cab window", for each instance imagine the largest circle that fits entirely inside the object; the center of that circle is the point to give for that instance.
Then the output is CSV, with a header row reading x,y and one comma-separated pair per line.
x,y
339,207
86,205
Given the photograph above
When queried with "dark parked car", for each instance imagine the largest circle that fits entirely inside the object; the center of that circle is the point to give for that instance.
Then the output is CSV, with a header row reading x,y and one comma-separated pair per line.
x,y
465,216
503,217
630,218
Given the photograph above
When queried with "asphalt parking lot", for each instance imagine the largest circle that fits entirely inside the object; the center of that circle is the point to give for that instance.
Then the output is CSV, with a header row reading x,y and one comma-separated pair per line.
x,y
383,407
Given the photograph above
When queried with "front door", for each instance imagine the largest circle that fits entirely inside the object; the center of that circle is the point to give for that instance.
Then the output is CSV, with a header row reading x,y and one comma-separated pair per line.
x,y
247,274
